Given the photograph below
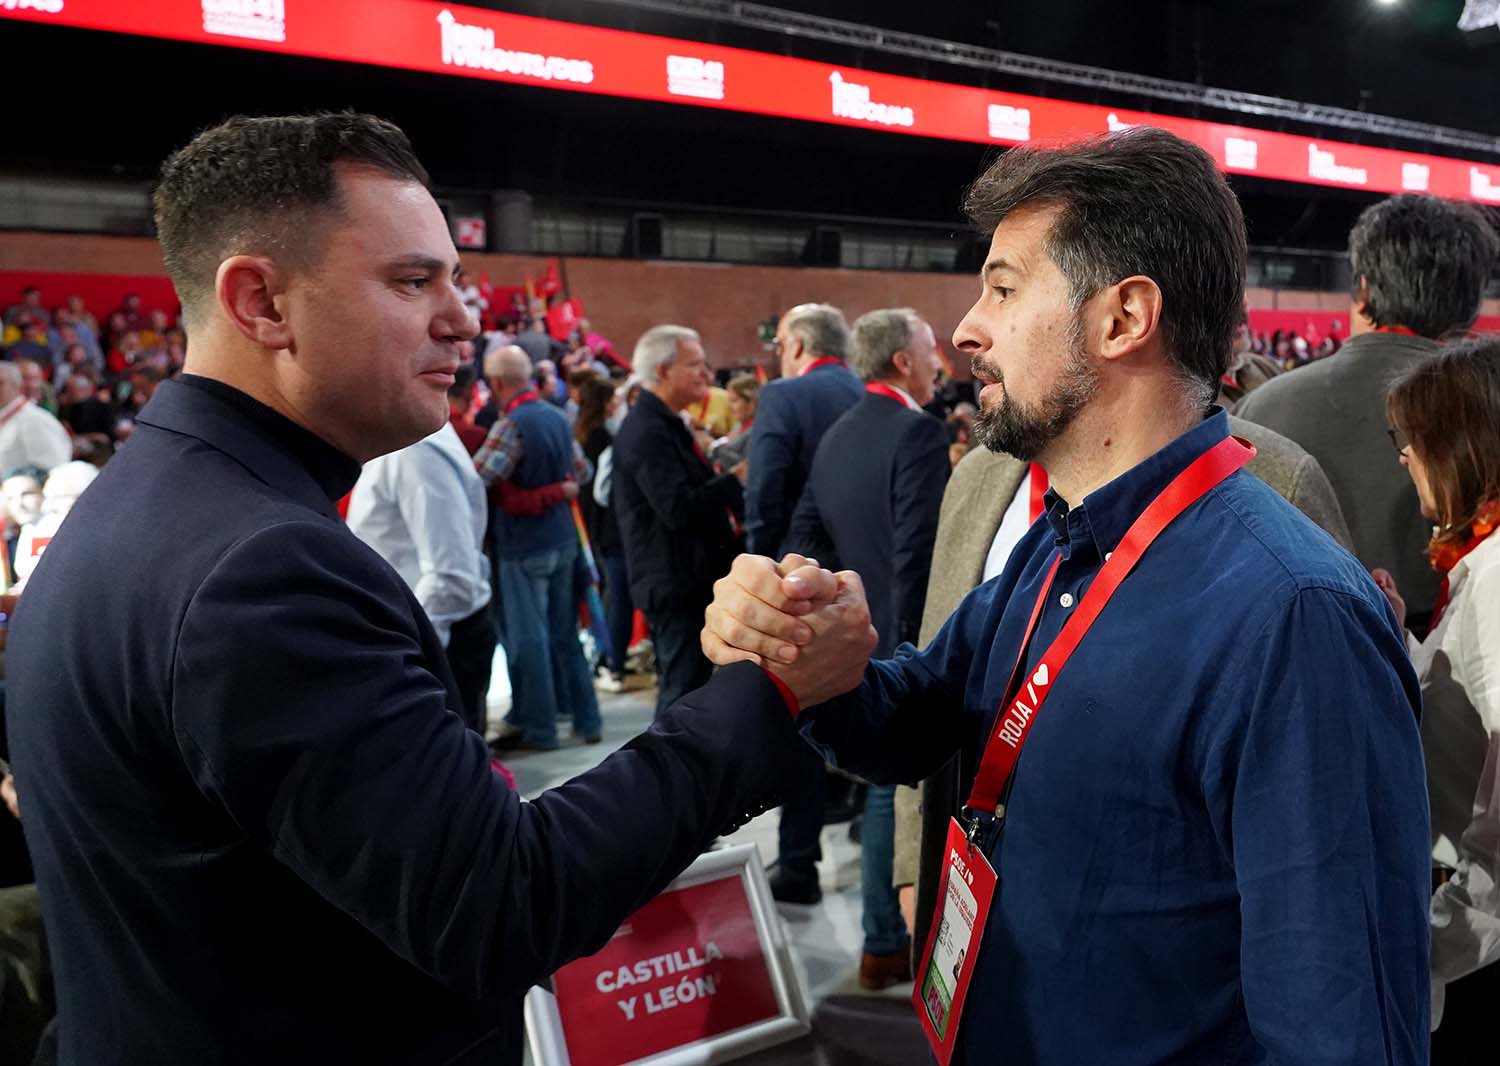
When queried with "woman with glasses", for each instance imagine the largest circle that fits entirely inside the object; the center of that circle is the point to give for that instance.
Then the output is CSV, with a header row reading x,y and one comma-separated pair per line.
x,y
1445,424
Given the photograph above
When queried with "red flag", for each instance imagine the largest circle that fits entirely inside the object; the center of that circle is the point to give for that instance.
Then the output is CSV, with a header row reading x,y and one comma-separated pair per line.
x,y
551,282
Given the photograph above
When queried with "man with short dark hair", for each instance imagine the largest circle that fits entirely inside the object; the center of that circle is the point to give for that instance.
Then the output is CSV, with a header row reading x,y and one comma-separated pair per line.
x,y
1213,846
261,830
1419,267
791,416
30,307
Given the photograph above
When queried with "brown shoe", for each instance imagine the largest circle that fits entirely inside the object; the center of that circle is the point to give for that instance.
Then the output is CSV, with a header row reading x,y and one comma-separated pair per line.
x,y
881,971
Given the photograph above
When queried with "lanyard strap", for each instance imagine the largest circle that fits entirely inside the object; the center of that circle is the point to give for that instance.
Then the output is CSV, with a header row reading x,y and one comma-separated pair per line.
x,y
1038,501
529,396
879,388
822,360
12,409
1022,701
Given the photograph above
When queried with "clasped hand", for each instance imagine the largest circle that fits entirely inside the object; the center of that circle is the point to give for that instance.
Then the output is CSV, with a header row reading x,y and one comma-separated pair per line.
x,y
808,626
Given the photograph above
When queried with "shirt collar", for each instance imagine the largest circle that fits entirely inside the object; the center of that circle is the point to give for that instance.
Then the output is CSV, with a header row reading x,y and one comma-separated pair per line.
x,y
1106,514
334,471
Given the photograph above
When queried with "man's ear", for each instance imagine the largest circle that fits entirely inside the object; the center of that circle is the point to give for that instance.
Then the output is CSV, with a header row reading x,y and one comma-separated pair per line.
x,y
902,361
1126,316
1362,297
247,288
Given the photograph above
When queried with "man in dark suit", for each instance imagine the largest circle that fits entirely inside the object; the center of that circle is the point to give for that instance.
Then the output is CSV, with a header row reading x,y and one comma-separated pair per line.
x,y
792,414
261,830
1420,266
872,501
678,519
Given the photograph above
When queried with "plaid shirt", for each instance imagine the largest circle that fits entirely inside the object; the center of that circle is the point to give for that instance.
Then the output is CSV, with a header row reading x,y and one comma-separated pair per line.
x,y
497,457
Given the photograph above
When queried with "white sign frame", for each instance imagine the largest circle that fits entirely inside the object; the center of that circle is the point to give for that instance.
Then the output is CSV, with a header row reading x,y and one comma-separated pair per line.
x,y
544,1031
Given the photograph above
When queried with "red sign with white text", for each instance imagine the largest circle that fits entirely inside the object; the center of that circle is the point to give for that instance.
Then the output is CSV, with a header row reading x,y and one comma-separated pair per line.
x,y
470,42
686,967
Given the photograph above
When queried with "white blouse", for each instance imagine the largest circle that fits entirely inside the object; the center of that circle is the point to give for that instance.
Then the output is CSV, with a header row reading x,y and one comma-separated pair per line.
x,y
1459,666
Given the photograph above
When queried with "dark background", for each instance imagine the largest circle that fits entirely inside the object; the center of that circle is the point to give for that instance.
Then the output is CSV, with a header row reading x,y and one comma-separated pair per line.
x,y
89,104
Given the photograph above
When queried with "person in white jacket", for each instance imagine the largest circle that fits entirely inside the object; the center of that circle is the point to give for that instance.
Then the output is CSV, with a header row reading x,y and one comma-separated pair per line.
x,y
1445,423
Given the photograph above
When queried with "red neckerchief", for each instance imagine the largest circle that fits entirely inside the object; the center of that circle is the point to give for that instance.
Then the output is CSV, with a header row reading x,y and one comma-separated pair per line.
x,y
1444,557
822,360
1397,329
528,396
880,388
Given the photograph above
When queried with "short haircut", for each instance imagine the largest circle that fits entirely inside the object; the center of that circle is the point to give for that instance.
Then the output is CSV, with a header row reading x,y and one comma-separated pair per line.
x,y
821,328
657,348
1448,406
261,186
1141,201
1426,262
878,336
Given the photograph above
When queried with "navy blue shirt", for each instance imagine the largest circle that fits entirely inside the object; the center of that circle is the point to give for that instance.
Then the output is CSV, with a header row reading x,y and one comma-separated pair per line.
x,y
1216,847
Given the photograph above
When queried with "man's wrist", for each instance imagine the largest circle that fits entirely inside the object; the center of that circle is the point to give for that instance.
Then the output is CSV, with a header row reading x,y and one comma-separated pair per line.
x,y
787,695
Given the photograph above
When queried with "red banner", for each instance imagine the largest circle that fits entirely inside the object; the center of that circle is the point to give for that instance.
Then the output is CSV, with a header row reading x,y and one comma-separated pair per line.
x,y
470,42
686,967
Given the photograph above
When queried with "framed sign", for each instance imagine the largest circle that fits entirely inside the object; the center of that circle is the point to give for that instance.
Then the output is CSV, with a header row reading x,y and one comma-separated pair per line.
x,y
702,974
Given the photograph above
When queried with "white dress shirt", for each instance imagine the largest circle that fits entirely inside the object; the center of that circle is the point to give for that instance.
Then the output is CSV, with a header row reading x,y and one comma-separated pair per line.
x,y
1013,526
1459,665
30,436
423,510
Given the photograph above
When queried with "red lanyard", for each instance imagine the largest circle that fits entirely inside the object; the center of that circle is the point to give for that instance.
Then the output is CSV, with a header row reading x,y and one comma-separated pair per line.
x,y
823,360
14,409
881,389
525,397
1021,703
1397,329
1038,502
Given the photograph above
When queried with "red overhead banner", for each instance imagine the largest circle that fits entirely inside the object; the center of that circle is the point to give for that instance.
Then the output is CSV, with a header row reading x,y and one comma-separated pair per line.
x,y
471,42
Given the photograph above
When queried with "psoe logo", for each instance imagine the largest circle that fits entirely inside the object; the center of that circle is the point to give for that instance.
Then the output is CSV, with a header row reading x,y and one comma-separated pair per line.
x,y
255,20
691,76
1117,124
852,100
46,7
1482,188
474,47
1322,165
1242,153
1010,123
1415,177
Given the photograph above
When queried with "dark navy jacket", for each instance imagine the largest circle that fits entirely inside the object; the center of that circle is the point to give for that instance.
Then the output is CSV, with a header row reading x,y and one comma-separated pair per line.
x,y
262,834
872,503
791,416
1216,847
677,516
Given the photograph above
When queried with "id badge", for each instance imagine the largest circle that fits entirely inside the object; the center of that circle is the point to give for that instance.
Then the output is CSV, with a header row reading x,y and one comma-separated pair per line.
x,y
965,894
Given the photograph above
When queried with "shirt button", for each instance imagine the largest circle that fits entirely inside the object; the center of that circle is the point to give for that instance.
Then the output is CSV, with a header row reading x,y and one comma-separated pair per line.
x,y
1066,599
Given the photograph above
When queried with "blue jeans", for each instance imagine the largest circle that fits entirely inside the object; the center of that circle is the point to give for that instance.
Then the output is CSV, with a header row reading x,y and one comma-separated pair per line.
x,y
885,929
548,672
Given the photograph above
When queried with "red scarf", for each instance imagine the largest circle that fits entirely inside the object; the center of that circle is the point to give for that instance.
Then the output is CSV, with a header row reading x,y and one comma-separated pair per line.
x,y
823,360
1444,556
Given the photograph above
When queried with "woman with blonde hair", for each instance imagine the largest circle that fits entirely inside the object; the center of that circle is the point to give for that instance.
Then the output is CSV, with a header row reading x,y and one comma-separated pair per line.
x,y
1444,415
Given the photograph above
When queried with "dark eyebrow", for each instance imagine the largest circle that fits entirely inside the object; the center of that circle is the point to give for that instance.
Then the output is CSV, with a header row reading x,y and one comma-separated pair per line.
x,y
425,264
998,264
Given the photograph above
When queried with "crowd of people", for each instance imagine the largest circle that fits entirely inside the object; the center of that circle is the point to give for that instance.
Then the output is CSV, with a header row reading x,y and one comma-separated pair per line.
x,y
1218,848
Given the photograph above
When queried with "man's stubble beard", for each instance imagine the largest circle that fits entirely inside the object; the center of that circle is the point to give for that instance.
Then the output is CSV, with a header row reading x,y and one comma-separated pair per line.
x,y
1010,429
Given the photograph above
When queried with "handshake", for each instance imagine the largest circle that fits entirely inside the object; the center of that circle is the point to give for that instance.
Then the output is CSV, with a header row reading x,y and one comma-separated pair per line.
x,y
809,627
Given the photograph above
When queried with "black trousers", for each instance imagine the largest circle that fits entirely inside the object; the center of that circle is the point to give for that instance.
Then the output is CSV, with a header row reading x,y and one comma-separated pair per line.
x,y
471,652
680,663
1468,1018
